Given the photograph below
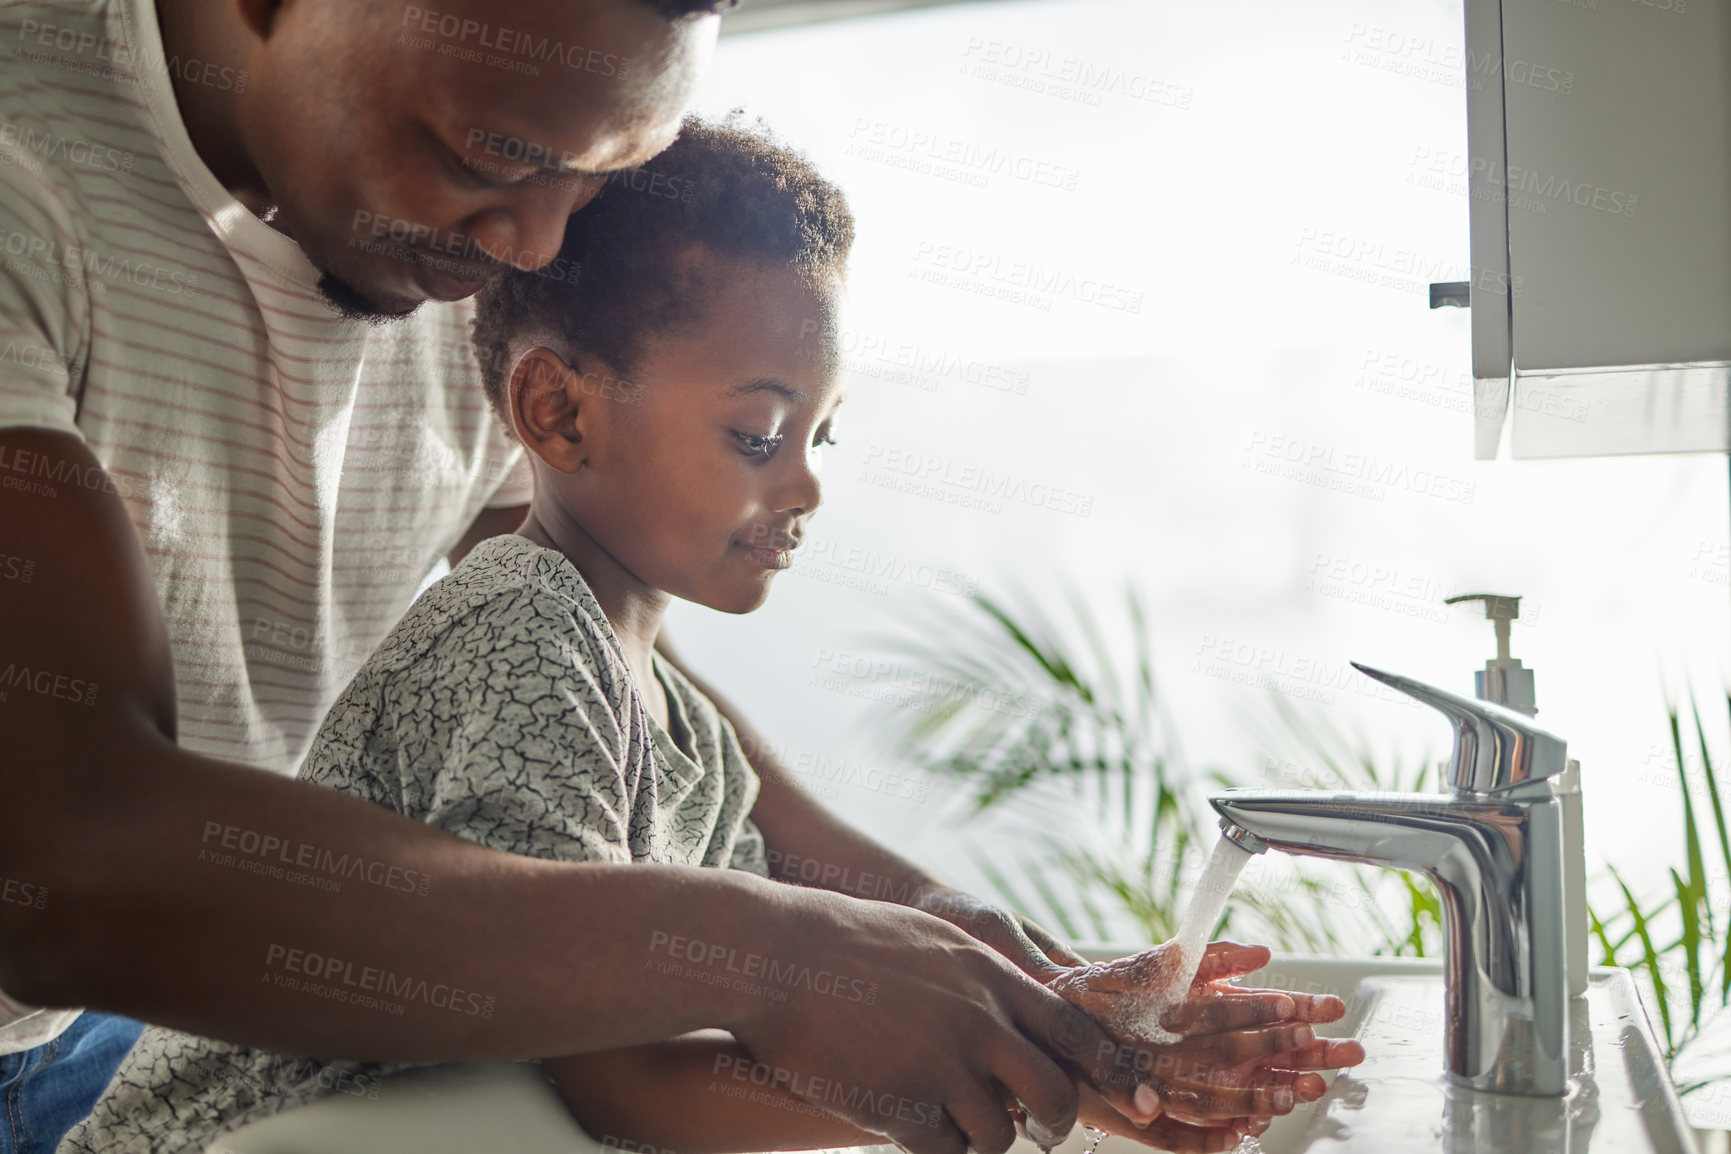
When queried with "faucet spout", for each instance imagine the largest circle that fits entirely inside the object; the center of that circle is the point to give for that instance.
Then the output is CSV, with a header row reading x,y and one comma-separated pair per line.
x,y
1496,861
1407,831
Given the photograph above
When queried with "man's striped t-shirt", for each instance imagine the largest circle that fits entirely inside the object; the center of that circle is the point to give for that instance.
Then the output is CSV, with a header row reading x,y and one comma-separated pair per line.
x,y
292,475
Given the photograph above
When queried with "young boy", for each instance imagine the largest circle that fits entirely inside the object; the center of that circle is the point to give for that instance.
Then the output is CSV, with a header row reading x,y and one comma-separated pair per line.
x,y
674,383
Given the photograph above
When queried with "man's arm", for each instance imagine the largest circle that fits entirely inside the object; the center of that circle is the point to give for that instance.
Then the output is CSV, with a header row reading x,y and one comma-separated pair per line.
x,y
122,832
112,824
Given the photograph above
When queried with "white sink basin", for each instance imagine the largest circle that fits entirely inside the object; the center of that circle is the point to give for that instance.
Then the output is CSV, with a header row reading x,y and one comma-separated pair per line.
x,y
503,1107
1398,1100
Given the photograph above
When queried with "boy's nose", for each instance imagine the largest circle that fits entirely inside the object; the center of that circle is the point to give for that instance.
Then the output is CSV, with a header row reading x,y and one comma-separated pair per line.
x,y
804,492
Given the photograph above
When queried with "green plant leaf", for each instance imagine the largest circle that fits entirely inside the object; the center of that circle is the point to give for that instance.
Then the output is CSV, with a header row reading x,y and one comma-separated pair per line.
x,y
1423,901
1649,960
1053,664
1598,929
1725,849
1697,887
1718,808
1085,899
1691,944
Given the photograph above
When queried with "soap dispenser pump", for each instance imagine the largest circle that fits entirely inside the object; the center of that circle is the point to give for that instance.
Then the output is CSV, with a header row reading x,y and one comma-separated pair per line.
x,y
1503,680
1506,681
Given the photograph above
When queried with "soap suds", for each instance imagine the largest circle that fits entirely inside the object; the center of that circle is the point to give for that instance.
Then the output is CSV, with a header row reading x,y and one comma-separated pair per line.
x,y
1131,996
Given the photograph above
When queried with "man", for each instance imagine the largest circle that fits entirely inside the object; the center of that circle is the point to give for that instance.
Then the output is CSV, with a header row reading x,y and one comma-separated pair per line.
x,y
234,436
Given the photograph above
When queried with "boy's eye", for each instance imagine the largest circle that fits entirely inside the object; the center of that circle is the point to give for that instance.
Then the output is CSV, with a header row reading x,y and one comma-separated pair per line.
x,y
754,446
825,436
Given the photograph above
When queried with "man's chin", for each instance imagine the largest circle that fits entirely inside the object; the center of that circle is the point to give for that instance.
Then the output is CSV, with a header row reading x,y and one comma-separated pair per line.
x,y
352,304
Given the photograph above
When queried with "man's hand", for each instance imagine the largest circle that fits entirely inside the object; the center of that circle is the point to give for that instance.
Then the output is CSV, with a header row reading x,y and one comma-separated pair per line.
x,y
1034,951
955,1025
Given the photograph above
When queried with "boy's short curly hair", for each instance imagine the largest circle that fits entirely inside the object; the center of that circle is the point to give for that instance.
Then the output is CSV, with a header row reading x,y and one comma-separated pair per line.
x,y
622,274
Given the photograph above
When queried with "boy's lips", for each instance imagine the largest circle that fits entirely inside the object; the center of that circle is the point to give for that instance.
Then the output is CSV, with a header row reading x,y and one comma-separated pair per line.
x,y
776,555
769,558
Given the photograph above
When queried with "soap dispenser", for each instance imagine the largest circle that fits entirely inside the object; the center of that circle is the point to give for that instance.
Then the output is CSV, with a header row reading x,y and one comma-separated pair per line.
x,y
1505,681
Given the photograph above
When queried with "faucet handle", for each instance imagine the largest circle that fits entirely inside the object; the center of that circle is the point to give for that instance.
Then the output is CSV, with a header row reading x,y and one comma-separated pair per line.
x,y
1495,747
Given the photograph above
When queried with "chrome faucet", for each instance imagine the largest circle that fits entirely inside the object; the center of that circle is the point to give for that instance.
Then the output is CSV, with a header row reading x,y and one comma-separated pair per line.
x,y
1494,847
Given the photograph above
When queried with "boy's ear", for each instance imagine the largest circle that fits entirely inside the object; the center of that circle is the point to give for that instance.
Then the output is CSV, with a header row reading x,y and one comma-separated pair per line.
x,y
550,413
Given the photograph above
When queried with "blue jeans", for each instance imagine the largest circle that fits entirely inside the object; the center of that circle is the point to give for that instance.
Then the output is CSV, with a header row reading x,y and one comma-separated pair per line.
x,y
46,1091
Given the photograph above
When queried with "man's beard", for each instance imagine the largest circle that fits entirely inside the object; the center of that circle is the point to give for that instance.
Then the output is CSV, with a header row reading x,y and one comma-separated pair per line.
x,y
345,299
353,305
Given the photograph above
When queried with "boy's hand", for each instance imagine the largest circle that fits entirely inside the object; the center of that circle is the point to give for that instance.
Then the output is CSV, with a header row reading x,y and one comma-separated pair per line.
x,y
1231,1077
1243,1054
1170,1133
1111,991
1211,1005
1199,1096
1214,1079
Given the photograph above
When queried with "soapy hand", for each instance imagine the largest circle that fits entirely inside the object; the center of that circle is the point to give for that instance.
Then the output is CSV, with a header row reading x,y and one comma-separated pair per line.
x,y
1221,1059
1147,998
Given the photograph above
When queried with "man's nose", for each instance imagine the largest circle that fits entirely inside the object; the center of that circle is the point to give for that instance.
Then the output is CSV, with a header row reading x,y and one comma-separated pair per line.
x,y
526,229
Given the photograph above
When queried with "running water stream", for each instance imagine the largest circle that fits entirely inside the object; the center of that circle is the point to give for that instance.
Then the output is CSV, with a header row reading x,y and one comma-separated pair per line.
x,y
1203,913
1164,974
1167,971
